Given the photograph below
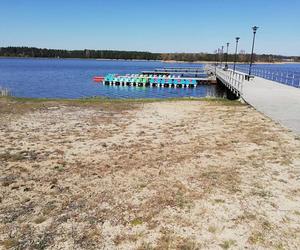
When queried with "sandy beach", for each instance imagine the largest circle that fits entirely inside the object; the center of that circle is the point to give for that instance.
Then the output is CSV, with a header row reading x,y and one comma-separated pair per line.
x,y
187,174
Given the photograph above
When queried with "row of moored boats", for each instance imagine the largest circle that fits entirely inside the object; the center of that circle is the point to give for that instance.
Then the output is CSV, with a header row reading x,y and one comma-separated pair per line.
x,y
143,80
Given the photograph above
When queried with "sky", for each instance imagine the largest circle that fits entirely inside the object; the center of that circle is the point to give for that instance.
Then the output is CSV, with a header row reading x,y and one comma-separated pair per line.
x,y
152,25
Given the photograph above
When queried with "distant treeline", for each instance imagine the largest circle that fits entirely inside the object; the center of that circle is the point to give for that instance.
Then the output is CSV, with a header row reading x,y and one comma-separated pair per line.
x,y
135,55
57,53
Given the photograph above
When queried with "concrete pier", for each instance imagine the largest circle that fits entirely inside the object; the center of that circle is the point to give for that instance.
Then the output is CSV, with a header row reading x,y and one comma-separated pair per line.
x,y
278,101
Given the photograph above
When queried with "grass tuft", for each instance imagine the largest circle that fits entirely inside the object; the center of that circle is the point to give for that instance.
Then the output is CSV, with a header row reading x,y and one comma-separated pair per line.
x,y
136,222
9,243
227,244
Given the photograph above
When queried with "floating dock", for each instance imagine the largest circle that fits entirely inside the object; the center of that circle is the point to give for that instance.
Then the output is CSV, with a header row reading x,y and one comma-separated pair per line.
x,y
180,70
150,81
164,78
182,73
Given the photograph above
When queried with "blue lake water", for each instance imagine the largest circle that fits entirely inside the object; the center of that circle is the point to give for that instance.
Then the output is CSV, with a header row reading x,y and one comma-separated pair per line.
x,y
72,78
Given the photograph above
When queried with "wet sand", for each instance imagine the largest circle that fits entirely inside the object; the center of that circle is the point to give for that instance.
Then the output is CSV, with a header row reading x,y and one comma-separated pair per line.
x,y
157,175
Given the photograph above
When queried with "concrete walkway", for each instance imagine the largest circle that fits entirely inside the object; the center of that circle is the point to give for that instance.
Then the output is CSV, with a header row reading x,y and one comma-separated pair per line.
x,y
278,101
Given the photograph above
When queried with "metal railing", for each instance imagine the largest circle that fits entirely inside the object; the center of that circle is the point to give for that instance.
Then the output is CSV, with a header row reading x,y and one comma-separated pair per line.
x,y
4,92
282,76
232,80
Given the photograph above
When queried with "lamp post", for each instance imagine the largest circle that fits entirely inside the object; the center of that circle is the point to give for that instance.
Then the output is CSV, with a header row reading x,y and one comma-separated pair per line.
x,y
254,28
226,65
216,57
235,55
222,55
216,60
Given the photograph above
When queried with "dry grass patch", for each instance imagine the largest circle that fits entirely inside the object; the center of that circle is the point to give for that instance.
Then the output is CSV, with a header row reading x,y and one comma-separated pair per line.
x,y
93,174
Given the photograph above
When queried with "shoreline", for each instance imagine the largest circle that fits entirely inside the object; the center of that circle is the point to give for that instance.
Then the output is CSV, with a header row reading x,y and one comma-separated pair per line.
x,y
100,100
138,60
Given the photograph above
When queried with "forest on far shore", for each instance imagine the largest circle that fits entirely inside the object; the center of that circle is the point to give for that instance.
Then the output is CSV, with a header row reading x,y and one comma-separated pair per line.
x,y
138,55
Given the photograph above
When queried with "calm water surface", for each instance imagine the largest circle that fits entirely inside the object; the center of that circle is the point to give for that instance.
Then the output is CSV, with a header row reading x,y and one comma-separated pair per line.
x,y
72,78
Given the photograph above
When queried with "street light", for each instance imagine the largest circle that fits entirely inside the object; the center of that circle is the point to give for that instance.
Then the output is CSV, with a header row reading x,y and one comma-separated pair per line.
x,y
235,55
222,55
216,63
226,65
254,28
216,59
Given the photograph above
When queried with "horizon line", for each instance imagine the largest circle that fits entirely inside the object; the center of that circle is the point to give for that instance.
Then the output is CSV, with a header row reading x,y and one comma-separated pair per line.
x,y
143,51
